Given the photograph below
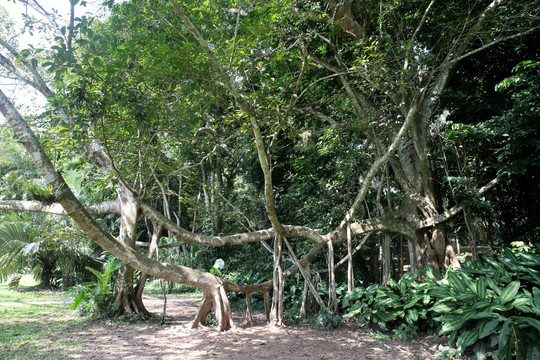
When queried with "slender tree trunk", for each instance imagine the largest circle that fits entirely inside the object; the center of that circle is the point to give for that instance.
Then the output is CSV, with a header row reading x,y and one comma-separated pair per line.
x,y
350,270
276,313
386,259
332,296
413,257
470,228
308,284
218,201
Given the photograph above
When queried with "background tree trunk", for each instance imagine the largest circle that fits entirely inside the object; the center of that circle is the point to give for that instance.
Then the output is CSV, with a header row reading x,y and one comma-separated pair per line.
x,y
386,259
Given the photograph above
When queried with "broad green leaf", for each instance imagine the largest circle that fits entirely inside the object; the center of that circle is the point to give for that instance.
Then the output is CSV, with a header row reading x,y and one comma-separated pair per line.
x,y
481,287
531,321
467,338
511,256
505,337
440,292
487,315
480,350
412,315
493,285
78,299
522,304
452,325
481,304
533,276
431,274
443,308
456,282
468,314
509,292
412,302
356,294
536,295
529,259
487,327
501,308
467,297
468,282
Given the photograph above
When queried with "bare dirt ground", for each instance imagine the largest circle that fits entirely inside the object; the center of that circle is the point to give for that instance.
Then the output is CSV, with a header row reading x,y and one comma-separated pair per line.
x,y
175,340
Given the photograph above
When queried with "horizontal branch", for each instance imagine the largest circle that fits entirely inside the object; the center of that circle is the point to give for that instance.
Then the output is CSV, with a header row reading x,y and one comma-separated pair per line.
x,y
189,237
384,224
453,211
106,207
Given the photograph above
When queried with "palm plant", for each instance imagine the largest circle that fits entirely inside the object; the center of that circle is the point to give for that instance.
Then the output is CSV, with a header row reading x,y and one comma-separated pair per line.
x,y
16,247
50,250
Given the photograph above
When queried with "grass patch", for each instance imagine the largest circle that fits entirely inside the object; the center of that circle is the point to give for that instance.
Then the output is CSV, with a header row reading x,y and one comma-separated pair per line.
x,y
38,324
31,328
32,331
29,291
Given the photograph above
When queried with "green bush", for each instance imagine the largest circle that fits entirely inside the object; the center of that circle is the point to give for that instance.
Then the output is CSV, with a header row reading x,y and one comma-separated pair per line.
x,y
326,320
490,305
96,298
400,306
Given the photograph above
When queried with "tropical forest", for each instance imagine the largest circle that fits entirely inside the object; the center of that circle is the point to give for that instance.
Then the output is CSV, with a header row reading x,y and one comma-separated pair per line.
x,y
285,179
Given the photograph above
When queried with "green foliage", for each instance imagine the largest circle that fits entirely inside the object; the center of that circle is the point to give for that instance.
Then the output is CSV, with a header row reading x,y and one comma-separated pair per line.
x,y
492,305
326,320
48,247
96,298
400,306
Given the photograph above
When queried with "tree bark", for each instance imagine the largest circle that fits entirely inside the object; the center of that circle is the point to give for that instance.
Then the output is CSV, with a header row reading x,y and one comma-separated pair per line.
x,y
127,300
332,296
276,313
350,269
470,229
386,259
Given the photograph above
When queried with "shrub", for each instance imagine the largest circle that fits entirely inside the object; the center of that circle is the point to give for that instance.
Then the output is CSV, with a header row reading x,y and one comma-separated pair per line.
x,y
400,306
490,305
96,297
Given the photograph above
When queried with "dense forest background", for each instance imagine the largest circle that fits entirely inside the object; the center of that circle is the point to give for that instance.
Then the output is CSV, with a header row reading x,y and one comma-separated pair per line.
x,y
298,148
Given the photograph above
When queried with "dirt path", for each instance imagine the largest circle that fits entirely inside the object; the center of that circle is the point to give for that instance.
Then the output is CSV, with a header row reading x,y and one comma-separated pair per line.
x,y
175,340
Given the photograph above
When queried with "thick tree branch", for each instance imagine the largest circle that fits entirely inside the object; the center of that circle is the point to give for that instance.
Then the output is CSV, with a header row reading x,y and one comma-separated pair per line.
x,y
107,207
453,211
236,239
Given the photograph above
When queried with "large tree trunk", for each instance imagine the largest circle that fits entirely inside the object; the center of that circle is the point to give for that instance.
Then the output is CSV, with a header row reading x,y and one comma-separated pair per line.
x,y
215,298
138,291
127,299
415,173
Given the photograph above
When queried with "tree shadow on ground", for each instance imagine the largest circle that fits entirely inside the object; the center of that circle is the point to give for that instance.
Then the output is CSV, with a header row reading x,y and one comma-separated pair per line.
x,y
175,340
